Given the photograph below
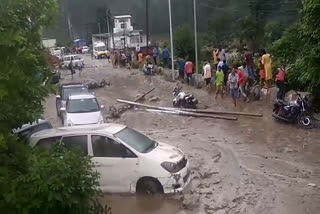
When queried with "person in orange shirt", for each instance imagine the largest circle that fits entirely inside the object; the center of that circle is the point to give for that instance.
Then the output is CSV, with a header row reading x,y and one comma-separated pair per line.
x,y
281,73
188,68
215,57
140,60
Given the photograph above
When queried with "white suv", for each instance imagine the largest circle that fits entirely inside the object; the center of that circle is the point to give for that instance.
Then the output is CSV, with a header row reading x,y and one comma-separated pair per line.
x,y
82,109
127,160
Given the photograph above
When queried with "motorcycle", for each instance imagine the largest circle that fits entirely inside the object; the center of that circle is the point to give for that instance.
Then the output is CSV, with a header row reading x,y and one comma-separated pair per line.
x,y
296,111
183,100
148,69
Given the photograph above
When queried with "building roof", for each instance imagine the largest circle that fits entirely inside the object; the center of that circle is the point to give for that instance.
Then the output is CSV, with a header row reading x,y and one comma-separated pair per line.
x,y
122,16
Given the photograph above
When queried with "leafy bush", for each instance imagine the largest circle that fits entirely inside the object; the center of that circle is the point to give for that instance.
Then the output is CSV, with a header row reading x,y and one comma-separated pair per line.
x,y
54,181
184,42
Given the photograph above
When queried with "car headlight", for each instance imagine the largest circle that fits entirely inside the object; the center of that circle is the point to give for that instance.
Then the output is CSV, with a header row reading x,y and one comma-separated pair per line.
x,y
170,167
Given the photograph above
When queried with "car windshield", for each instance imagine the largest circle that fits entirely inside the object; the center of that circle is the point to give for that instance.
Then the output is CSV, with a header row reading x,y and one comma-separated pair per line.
x,y
74,90
136,140
101,48
83,106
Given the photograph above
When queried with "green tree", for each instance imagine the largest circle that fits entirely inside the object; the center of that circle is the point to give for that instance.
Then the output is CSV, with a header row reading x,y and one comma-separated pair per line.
x,y
184,42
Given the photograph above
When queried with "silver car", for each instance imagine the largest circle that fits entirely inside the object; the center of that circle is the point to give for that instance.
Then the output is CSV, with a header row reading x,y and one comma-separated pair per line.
x,y
82,109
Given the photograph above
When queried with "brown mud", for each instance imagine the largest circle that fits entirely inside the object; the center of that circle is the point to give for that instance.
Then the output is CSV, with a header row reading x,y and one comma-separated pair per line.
x,y
253,165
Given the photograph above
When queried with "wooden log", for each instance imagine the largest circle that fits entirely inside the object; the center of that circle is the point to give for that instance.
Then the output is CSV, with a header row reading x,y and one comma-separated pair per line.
x,y
191,114
222,112
145,94
175,111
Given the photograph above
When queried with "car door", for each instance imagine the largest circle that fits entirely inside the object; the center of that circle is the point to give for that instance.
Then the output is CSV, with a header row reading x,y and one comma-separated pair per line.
x,y
117,165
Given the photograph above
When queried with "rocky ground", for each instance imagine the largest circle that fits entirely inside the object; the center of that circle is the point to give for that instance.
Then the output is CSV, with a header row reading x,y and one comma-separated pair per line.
x,y
253,165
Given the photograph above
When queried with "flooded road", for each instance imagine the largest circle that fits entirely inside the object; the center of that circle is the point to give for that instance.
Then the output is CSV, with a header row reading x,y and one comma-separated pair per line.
x,y
253,165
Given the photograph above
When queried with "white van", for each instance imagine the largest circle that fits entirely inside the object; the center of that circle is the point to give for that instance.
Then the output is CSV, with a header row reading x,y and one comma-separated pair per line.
x,y
99,50
67,59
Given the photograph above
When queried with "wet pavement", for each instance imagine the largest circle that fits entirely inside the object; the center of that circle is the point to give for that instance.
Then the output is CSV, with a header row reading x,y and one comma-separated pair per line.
x,y
253,165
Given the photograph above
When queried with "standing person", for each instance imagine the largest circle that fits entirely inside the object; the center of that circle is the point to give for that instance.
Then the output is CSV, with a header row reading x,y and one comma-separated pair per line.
x,y
220,64
116,59
262,72
266,61
222,54
165,56
129,60
181,64
155,55
113,59
248,57
108,53
140,60
243,69
242,84
80,66
219,82
233,80
188,68
207,73
225,69
280,77
215,57
71,67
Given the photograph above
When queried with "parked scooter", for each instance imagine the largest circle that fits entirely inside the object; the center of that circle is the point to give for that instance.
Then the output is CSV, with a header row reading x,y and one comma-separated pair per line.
x,y
183,100
294,112
148,69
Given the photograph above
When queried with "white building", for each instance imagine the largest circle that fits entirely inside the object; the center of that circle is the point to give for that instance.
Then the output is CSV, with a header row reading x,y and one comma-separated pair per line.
x,y
123,35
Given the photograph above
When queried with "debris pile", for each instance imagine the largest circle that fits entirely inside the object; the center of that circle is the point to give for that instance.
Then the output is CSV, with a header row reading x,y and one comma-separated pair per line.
x,y
93,84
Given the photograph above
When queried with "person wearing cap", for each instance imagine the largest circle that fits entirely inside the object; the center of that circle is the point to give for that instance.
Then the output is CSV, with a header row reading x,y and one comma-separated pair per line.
x,y
219,82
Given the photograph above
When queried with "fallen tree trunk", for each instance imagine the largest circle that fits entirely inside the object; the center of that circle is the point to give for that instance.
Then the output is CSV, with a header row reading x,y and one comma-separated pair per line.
x,y
222,112
185,113
145,94
175,111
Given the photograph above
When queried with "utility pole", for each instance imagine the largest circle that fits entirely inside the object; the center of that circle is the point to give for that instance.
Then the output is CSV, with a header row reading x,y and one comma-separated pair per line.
x,y
107,14
99,27
195,32
147,23
171,40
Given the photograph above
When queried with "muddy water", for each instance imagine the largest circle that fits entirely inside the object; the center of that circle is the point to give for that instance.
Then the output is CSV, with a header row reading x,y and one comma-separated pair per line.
x,y
253,165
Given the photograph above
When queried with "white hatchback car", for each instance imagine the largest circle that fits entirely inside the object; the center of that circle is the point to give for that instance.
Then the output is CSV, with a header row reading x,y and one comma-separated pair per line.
x,y
127,160
82,109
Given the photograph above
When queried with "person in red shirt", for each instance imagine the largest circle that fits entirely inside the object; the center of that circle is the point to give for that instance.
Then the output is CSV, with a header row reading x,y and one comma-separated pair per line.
x,y
188,69
242,84
280,77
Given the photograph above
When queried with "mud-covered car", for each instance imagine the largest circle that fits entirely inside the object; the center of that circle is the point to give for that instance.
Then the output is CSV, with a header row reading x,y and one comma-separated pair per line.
x,y
65,91
127,160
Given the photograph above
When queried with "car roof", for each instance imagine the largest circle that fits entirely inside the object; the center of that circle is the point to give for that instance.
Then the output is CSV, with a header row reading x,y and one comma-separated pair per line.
x,y
81,96
29,125
70,55
106,128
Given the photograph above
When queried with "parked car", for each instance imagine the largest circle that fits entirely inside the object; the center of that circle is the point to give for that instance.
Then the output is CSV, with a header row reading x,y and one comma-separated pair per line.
x,y
26,130
127,160
82,109
66,90
85,50
67,59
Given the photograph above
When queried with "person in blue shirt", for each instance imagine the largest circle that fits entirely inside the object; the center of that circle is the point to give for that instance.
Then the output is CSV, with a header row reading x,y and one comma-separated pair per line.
x,y
155,55
165,56
181,63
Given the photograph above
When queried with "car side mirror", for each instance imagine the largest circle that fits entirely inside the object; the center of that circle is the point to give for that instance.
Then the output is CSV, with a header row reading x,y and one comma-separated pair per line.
x,y
58,97
63,109
102,107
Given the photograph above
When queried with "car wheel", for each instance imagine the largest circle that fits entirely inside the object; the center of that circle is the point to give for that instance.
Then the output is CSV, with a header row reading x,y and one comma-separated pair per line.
x,y
149,186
